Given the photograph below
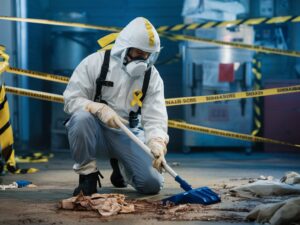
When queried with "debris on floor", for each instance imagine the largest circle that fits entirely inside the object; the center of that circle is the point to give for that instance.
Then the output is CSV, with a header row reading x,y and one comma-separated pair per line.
x,y
187,212
262,177
288,185
291,178
279,201
105,204
152,209
4,187
265,188
281,213
233,208
17,184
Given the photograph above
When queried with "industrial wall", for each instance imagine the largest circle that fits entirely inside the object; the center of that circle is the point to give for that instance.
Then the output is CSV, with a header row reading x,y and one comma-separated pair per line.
x,y
37,122
42,49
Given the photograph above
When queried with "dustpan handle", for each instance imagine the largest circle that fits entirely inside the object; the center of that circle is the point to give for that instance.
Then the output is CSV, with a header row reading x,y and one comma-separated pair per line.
x,y
144,147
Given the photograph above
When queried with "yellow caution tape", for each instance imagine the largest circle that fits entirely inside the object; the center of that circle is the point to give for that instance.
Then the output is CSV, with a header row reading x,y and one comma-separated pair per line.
x,y
169,102
172,123
173,101
60,23
29,73
39,75
231,96
250,21
176,27
224,133
175,36
35,94
181,37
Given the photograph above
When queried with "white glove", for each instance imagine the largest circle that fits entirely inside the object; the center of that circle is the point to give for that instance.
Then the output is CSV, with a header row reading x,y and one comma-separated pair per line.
x,y
158,149
106,114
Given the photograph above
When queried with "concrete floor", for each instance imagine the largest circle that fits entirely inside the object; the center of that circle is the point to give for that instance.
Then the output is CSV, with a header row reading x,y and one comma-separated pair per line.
x,y
56,181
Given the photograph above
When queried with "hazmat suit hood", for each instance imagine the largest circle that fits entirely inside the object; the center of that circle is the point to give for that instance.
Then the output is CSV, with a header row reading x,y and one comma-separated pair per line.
x,y
141,34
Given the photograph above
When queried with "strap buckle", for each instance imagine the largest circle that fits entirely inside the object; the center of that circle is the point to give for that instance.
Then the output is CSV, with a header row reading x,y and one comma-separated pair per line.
x,y
133,119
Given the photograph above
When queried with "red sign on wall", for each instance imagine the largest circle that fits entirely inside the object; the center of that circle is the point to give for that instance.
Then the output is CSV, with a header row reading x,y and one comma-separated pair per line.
x,y
226,72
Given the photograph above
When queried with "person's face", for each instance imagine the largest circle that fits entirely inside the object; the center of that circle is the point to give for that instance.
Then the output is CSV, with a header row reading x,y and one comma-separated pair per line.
x,y
135,53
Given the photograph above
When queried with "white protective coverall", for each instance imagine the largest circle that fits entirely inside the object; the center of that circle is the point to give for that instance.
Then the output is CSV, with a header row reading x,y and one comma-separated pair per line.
x,y
87,133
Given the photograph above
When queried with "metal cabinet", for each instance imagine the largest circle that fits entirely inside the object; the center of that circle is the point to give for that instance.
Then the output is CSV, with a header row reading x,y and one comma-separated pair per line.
x,y
204,67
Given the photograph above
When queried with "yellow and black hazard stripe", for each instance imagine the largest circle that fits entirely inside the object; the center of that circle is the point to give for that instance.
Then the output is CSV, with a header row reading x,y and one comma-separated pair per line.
x,y
257,102
36,157
224,133
176,37
176,27
3,59
249,22
6,138
256,48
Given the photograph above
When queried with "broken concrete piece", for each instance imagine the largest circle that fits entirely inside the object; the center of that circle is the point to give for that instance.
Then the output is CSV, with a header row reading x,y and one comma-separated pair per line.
x,y
265,188
105,204
282,213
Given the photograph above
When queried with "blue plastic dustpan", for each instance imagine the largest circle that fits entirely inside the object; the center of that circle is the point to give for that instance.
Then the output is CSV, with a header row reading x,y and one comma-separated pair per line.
x,y
202,195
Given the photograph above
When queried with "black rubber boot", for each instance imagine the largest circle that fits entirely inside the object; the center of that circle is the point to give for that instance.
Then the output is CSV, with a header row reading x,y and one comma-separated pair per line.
x,y
88,184
116,177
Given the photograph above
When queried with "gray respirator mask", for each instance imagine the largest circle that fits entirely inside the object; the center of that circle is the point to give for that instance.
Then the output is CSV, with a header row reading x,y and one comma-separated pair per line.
x,y
136,67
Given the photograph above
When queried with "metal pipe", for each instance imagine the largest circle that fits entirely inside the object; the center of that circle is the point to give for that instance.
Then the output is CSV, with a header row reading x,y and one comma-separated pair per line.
x,y
22,62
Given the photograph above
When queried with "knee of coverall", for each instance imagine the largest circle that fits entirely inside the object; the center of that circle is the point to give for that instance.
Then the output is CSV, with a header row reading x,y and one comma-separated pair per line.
x,y
80,119
150,184
81,127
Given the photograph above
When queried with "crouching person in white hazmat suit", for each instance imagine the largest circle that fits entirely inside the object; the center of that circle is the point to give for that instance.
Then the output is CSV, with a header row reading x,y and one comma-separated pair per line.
x,y
119,84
